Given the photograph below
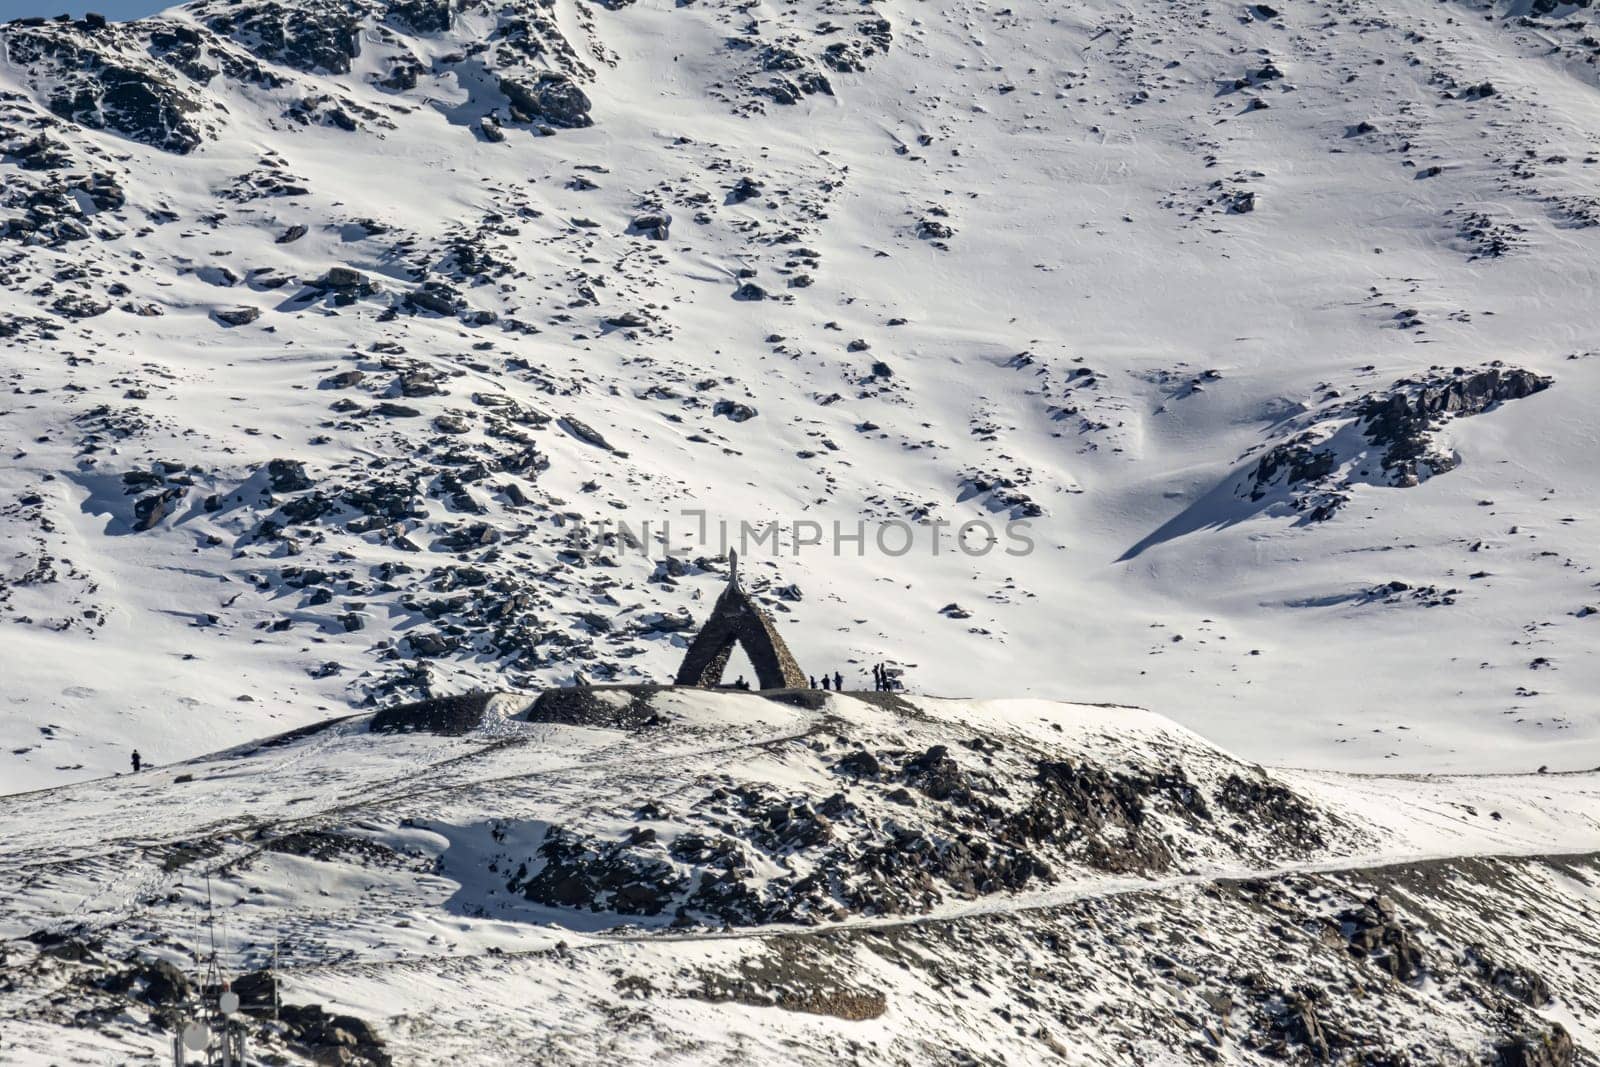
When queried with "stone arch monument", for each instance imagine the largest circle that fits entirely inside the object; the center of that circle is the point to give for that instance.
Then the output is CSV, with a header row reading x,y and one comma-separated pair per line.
x,y
737,620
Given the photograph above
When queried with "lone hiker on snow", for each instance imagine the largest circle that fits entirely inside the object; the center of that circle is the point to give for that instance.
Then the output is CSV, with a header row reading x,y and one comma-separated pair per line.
x,y
137,761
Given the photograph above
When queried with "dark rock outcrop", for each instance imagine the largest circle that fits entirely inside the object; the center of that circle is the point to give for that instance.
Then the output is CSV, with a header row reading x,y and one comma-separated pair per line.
x,y
105,81
1393,443
1374,933
447,716
549,97
324,36
1551,1048
334,1039
288,476
423,16
239,316
610,708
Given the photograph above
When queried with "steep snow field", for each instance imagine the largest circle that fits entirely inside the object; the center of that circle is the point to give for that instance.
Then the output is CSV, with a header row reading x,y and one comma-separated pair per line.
x,y
1087,884
1130,247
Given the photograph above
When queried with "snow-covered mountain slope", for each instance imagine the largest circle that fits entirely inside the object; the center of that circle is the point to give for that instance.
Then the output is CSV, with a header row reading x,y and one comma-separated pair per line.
x,y
803,879
1149,276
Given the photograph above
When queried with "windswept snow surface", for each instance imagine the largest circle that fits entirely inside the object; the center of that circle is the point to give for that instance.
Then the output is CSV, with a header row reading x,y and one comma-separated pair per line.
x,y
412,881
1102,258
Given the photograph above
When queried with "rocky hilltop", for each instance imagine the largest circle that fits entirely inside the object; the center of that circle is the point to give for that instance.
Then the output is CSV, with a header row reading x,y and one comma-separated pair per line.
x,y
801,879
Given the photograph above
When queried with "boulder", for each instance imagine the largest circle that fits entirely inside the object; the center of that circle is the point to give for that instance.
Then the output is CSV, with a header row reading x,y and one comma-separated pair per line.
x,y
733,410
437,297
148,511
239,316
79,306
584,432
550,97
288,476
308,37
653,225
1549,1048
746,188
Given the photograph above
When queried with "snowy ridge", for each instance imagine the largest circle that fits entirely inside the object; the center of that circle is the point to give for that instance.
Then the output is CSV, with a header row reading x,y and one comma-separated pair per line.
x,y
707,886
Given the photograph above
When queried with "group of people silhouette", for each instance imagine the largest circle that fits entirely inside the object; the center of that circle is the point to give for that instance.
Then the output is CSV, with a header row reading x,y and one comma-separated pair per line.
x,y
881,681
838,682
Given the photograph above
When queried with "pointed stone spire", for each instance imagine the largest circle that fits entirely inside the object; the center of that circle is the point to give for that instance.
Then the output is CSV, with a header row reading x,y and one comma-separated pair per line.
x,y
736,620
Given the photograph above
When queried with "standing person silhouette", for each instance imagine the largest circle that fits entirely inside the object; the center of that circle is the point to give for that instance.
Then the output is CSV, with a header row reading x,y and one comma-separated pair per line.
x,y
838,682
138,761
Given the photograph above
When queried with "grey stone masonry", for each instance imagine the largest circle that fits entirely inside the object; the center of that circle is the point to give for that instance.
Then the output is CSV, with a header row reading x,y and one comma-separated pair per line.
x,y
737,620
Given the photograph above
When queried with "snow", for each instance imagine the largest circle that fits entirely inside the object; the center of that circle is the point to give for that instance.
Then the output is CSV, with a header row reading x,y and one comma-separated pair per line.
x,y
1062,249
1102,335
581,774
421,937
